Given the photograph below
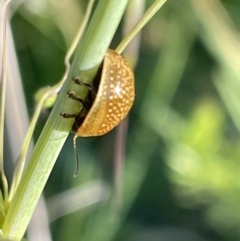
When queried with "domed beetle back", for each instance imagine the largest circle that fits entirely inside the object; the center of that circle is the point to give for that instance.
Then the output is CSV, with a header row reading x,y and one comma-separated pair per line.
x,y
114,98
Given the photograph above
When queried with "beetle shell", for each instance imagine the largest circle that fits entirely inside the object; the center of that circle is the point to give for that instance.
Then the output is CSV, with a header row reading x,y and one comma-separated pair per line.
x,y
114,97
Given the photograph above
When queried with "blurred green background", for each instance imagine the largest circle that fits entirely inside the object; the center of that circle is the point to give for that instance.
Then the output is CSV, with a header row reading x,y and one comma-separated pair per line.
x,y
181,176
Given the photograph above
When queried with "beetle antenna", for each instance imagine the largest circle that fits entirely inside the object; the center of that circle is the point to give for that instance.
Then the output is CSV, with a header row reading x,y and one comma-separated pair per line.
x,y
76,155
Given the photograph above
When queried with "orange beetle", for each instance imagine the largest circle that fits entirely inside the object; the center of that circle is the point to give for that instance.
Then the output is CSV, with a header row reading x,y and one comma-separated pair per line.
x,y
109,99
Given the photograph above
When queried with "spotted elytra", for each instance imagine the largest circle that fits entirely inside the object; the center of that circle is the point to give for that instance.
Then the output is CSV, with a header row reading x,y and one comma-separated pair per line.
x,y
109,99
115,94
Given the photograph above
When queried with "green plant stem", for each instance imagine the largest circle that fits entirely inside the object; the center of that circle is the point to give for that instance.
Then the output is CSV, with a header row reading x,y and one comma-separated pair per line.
x,y
142,22
88,57
3,81
48,93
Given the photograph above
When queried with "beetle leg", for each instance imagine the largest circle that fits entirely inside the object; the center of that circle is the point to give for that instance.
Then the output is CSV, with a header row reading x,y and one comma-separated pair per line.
x,y
78,81
72,96
67,115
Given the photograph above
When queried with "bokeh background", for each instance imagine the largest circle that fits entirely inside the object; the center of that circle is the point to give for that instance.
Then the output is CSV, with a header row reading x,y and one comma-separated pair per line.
x,y
182,161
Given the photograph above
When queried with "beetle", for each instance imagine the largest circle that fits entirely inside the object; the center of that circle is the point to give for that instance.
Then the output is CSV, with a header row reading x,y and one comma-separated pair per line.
x,y
110,98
